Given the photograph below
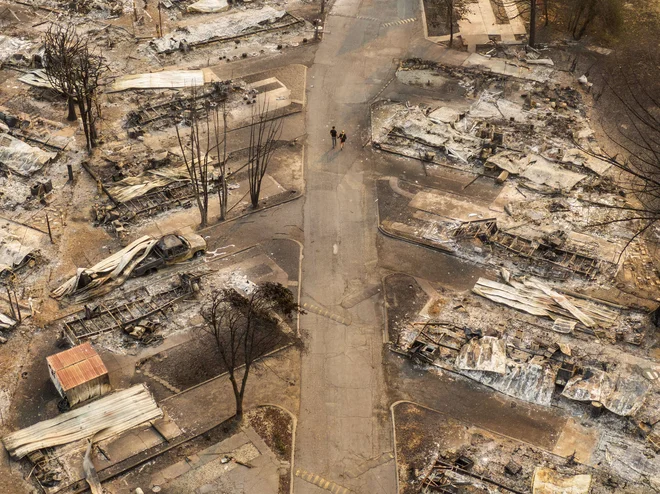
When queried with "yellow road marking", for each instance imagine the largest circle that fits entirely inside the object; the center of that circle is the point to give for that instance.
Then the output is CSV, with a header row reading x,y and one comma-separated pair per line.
x,y
325,313
321,482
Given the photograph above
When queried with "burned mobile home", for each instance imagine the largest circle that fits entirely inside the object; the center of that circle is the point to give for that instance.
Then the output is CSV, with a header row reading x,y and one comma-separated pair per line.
x,y
201,292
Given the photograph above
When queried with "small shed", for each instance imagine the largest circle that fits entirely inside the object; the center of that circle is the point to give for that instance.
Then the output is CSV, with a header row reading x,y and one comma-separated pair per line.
x,y
79,374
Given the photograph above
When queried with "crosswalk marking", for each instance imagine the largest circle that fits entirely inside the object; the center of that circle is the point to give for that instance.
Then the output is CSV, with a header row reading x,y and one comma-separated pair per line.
x,y
402,21
652,375
321,482
325,313
373,19
362,17
370,464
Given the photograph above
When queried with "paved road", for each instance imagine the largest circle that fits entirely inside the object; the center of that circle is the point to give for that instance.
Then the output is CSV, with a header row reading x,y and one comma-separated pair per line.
x,y
343,430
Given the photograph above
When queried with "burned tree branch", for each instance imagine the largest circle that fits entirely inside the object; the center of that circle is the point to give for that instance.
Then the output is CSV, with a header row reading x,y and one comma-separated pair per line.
x,y
245,328
264,134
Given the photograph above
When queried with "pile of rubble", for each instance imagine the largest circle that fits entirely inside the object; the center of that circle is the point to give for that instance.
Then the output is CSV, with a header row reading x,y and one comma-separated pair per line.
x,y
538,145
546,345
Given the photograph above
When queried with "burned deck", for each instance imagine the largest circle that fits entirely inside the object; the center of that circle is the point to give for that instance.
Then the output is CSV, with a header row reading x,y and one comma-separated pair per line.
x,y
89,323
564,259
175,107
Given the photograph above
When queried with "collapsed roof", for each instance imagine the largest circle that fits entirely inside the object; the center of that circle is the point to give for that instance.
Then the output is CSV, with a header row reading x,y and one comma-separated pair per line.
x,y
21,158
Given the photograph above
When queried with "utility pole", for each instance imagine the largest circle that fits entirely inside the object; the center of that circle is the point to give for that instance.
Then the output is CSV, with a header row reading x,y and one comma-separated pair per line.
x,y
50,234
11,304
160,20
532,23
322,6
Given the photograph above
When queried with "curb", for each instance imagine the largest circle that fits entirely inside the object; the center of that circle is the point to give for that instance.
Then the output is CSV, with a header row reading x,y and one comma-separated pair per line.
x,y
464,422
294,420
396,454
386,325
265,208
382,230
301,255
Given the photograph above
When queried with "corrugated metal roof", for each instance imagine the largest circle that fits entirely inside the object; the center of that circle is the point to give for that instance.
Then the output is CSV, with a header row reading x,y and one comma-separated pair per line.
x,y
71,356
76,366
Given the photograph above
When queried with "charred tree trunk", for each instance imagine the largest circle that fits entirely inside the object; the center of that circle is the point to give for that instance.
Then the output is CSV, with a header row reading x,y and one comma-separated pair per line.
x,y
264,133
238,396
71,117
82,108
450,16
532,24
223,186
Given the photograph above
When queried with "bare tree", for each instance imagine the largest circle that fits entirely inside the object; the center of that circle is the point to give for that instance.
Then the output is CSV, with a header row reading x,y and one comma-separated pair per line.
x,y
455,11
61,49
196,151
245,328
628,97
223,192
88,68
524,8
201,149
75,70
265,131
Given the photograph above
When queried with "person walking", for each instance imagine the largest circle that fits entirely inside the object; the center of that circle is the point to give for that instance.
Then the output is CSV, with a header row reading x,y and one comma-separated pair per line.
x,y
342,140
333,134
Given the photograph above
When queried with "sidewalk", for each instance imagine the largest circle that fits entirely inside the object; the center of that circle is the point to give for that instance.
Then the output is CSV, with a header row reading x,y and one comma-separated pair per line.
x,y
213,402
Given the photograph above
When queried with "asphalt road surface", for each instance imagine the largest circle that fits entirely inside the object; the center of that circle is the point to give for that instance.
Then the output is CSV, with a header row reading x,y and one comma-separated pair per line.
x,y
344,432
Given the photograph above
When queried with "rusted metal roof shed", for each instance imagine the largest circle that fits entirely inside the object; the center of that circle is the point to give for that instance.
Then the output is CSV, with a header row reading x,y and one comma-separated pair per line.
x,y
79,374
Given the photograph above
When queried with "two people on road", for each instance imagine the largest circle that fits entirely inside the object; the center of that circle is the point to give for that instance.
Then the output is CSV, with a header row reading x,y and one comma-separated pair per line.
x,y
342,138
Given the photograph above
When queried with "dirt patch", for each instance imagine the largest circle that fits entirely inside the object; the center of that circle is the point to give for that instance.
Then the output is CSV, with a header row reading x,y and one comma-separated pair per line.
x,y
275,427
191,363
392,206
404,298
478,459
501,16
35,398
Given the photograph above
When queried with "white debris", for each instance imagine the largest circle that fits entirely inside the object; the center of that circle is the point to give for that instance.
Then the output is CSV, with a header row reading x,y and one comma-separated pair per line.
x,y
157,80
540,61
232,24
10,47
21,158
208,6
444,115
584,81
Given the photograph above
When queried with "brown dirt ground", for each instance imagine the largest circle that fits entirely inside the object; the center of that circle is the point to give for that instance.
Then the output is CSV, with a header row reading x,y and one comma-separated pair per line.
x,y
191,363
404,298
275,427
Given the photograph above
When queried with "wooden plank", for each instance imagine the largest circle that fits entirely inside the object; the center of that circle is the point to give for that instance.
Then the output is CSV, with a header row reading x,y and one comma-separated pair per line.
x,y
103,418
566,304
